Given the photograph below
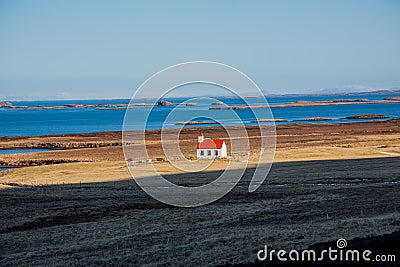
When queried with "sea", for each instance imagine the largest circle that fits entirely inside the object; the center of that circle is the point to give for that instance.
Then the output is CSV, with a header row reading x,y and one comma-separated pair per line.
x,y
25,122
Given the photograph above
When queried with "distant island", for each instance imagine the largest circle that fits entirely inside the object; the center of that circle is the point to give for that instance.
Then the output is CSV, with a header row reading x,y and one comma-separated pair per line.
x,y
316,119
270,120
219,105
366,117
196,122
10,105
302,103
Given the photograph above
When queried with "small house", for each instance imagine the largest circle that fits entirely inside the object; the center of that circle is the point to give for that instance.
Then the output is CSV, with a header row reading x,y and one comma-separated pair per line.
x,y
209,149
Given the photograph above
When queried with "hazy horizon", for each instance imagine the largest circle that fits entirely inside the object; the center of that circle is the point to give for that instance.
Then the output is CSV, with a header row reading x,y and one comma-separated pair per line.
x,y
321,92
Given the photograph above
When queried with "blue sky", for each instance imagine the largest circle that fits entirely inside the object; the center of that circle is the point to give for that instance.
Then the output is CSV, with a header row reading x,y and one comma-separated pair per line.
x,y
106,49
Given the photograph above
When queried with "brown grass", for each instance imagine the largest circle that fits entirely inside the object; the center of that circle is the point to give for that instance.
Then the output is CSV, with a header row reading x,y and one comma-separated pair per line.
x,y
294,143
116,223
92,213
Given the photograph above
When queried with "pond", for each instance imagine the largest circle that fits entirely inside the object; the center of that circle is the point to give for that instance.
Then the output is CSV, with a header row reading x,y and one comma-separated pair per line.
x,y
22,151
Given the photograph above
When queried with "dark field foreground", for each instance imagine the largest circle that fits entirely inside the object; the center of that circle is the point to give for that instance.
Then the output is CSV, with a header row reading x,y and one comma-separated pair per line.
x,y
116,223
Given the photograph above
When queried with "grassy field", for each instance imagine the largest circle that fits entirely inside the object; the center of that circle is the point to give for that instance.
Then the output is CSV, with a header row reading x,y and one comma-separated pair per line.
x,y
80,206
116,223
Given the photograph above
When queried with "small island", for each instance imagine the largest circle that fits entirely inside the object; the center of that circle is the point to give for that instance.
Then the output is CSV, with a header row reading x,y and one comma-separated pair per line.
x,y
303,103
164,103
5,104
392,98
191,104
196,122
366,117
316,119
269,120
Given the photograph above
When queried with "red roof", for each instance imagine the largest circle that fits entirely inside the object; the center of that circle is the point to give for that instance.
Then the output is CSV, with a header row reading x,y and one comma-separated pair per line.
x,y
210,144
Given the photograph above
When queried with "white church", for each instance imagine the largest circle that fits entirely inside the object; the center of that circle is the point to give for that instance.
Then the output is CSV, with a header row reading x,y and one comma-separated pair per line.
x,y
210,149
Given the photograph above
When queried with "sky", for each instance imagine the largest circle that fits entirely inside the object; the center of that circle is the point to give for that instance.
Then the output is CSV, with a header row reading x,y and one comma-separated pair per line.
x,y
72,49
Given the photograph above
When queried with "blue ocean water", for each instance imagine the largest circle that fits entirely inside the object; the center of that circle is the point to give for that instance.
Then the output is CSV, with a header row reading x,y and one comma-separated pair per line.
x,y
22,122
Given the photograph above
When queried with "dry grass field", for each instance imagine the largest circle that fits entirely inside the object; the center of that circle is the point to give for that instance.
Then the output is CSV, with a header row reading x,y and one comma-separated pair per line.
x,y
327,182
98,157
116,223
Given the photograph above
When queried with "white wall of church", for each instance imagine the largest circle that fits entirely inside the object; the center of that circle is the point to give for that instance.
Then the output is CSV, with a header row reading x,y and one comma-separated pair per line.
x,y
212,153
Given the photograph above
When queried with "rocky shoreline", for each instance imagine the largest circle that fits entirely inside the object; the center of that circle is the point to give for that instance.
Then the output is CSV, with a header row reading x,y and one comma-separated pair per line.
x,y
26,163
57,145
107,146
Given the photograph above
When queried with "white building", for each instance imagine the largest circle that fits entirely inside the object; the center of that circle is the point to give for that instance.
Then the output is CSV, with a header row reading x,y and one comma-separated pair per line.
x,y
209,149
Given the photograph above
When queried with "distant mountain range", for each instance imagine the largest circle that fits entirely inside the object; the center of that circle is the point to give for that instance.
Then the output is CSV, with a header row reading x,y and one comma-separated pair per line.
x,y
342,92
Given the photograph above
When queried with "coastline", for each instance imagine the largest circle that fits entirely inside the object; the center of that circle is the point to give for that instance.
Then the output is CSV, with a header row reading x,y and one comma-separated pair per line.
x,y
86,116
295,143
327,180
